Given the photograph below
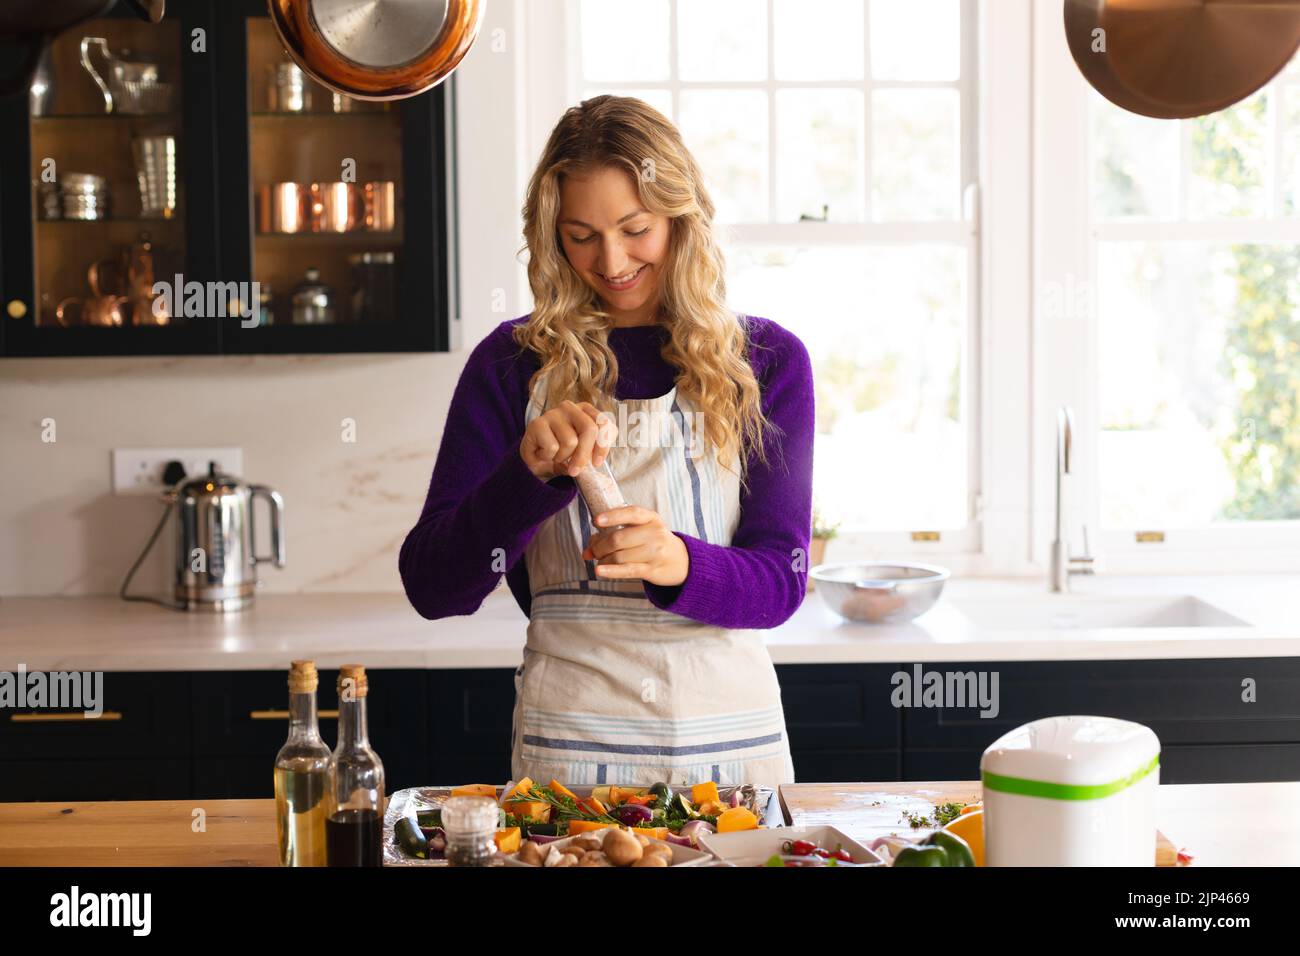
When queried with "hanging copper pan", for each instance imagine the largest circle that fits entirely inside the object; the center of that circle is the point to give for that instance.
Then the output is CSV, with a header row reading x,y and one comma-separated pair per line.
x,y
1172,59
377,49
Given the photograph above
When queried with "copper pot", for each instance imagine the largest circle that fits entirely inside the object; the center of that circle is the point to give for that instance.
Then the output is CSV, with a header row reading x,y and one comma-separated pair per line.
x,y
377,49
105,310
1174,59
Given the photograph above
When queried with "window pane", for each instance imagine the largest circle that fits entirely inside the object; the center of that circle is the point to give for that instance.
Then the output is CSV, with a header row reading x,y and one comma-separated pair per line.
x,y
658,97
821,41
915,154
1199,383
1135,164
722,40
884,327
915,39
1291,152
607,53
726,130
1229,152
819,154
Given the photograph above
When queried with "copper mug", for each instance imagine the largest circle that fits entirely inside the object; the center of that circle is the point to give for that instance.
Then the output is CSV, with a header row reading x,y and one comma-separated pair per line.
x,y
380,205
284,208
335,207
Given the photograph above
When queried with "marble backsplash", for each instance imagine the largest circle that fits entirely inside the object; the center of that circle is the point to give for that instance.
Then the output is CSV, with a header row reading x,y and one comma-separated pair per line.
x,y
347,504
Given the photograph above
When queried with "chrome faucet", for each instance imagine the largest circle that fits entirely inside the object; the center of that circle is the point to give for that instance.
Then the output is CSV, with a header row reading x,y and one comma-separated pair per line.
x,y
1065,564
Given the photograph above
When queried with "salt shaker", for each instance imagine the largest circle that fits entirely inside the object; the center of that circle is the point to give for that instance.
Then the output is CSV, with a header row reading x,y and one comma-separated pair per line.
x,y
470,823
599,489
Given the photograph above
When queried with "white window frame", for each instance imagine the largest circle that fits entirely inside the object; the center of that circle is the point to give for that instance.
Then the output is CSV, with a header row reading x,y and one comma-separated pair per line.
x,y
995,55
1067,356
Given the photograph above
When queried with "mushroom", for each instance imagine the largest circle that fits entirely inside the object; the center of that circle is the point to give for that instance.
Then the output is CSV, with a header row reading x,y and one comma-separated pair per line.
x,y
652,859
531,853
594,858
622,848
659,849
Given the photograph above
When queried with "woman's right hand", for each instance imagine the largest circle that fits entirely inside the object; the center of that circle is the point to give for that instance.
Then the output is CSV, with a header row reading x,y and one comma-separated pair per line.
x,y
566,439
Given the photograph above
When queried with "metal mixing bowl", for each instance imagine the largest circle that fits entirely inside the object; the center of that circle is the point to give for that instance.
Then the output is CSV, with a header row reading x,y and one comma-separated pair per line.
x,y
879,593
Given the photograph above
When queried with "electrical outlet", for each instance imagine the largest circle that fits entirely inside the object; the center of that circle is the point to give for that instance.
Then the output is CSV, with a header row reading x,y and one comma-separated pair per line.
x,y
139,471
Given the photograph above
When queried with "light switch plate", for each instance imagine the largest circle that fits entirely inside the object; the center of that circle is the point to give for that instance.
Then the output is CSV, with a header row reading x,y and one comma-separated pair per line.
x,y
139,471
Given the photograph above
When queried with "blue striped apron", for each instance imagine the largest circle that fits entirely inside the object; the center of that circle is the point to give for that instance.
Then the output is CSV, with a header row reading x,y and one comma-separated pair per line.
x,y
615,690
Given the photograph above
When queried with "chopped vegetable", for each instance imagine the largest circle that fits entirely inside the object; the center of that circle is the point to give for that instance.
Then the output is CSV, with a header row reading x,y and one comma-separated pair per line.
x,y
508,840
943,814
737,818
476,790
705,793
410,838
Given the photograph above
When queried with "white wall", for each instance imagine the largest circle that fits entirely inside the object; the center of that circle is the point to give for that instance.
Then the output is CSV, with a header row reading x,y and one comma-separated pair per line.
x,y
348,505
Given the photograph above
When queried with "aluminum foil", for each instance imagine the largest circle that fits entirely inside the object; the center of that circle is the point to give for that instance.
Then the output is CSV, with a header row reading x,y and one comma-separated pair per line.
x,y
761,801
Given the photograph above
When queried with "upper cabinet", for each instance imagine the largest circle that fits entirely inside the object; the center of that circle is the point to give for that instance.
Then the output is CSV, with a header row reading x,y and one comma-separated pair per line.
x,y
182,188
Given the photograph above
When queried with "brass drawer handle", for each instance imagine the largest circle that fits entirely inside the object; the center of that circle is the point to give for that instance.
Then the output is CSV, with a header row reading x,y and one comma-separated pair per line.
x,y
284,714
63,717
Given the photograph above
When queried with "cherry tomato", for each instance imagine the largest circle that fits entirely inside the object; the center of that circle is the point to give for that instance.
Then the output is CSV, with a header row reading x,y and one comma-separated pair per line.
x,y
842,855
802,847
822,852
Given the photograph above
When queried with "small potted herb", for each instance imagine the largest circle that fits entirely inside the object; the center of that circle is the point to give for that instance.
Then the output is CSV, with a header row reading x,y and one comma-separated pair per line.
x,y
822,532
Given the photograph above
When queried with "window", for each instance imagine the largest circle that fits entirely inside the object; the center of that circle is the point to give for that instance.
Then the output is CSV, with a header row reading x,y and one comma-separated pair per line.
x,y
1196,250
838,160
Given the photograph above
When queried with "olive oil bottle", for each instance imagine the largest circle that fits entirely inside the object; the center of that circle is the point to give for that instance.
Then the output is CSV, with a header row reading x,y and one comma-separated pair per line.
x,y
302,776
354,828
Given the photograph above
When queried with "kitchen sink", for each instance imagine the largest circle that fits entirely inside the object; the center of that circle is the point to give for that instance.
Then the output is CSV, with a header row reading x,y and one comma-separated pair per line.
x,y
1078,611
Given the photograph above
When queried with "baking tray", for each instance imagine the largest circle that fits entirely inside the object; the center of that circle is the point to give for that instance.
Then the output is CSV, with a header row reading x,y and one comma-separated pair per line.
x,y
763,801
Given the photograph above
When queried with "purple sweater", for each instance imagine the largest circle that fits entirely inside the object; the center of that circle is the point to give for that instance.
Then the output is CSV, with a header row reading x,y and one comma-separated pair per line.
x,y
483,497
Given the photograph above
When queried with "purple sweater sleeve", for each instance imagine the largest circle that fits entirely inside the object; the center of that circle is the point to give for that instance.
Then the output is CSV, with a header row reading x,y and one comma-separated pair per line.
x,y
483,505
776,512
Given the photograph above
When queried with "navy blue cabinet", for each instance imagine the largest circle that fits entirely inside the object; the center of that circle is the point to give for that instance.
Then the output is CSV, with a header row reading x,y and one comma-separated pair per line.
x,y
1208,733
210,735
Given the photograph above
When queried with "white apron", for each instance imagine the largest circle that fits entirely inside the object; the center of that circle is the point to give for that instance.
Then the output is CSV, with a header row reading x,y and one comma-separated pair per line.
x,y
615,690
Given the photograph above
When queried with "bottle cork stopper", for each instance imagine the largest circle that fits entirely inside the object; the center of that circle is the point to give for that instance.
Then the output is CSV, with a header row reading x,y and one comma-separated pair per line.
x,y
356,673
303,678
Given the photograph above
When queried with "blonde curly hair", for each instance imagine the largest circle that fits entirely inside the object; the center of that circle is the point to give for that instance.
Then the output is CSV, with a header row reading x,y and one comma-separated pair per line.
x,y
569,328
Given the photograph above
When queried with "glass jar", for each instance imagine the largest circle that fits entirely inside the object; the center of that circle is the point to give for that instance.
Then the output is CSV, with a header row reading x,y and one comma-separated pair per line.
x,y
313,301
470,823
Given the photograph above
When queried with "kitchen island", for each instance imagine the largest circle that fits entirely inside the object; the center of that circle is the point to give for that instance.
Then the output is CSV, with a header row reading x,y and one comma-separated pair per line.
x,y
1251,824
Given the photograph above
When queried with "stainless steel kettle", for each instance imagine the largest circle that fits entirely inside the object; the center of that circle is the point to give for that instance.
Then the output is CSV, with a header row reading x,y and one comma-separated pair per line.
x,y
216,559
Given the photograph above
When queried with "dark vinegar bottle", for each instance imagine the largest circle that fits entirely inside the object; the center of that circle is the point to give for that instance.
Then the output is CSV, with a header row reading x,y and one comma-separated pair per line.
x,y
354,828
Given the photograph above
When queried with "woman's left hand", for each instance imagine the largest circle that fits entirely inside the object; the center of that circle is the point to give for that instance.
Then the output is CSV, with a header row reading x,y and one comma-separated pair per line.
x,y
642,548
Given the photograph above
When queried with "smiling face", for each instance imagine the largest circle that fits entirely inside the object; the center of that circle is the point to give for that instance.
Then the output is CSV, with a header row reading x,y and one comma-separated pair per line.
x,y
613,242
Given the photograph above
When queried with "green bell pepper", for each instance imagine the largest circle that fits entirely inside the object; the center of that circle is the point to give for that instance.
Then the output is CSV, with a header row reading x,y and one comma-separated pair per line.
x,y
940,848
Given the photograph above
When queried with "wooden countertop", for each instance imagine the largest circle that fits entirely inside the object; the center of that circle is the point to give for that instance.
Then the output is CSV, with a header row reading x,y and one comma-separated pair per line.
x,y
139,833
1228,824
1220,824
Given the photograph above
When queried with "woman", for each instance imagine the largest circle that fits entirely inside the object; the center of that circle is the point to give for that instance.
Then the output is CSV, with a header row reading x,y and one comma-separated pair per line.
x,y
642,662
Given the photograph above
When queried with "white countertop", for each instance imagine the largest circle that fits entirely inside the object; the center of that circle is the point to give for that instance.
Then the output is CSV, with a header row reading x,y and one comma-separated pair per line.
x,y
382,631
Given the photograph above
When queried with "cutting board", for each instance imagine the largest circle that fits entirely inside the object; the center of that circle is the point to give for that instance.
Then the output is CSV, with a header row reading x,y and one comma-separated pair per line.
x,y
865,811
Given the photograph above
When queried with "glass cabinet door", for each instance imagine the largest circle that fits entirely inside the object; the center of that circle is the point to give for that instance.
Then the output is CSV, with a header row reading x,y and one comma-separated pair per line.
x,y
277,216
345,240
106,132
